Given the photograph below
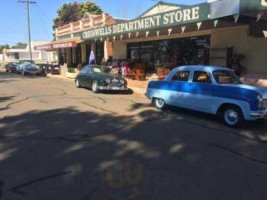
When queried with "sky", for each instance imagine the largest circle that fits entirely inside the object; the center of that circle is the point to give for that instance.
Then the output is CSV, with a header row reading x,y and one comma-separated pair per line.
x,y
13,25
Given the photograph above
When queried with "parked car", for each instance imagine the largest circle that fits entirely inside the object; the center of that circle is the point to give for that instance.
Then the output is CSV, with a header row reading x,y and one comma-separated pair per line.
x,y
11,67
19,68
99,78
31,69
214,90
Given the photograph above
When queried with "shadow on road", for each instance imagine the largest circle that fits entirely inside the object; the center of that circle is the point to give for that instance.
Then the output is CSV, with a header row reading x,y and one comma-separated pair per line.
x,y
68,154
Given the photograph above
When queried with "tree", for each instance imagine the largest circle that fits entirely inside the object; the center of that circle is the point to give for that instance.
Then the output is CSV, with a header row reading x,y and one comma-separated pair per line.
x,y
20,45
2,47
90,7
71,12
68,13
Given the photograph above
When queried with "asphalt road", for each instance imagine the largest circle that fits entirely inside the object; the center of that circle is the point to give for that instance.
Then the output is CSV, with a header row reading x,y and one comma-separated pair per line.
x,y
58,142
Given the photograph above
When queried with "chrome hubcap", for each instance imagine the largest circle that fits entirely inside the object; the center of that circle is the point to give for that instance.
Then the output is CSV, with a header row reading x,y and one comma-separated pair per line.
x,y
231,116
94,87
160,103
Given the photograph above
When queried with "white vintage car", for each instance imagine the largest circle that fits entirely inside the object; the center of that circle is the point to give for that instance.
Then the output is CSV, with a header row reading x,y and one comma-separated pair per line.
x,y
215,90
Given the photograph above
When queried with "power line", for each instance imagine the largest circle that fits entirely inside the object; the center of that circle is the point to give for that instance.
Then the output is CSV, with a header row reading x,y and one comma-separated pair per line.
x,y
28,2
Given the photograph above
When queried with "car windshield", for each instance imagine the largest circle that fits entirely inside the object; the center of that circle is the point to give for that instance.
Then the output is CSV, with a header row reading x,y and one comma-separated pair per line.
x,y
26,62
101,69
226,77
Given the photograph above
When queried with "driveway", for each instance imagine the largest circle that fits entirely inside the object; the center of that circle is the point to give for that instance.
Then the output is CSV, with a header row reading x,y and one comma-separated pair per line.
x,y
59,142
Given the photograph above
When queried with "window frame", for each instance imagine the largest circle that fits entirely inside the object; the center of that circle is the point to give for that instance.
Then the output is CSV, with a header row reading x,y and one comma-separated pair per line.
x,y
188,78
199,71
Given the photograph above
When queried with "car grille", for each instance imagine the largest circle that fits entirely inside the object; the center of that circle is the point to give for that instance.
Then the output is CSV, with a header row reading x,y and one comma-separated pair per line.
x,y
115,83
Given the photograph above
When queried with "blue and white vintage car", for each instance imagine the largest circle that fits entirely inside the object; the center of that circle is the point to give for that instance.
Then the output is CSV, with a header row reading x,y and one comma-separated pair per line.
x,y
215,90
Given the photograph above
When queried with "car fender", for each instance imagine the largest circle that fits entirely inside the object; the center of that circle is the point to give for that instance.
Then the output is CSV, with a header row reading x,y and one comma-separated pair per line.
x,y
217,102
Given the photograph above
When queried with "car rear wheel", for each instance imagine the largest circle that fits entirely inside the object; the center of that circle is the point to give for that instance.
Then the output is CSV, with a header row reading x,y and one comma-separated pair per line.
x,y
159,104
233,116
77,83
95,87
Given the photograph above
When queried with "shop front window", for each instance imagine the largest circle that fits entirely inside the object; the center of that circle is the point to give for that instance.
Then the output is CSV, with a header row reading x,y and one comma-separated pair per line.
x,y
171,53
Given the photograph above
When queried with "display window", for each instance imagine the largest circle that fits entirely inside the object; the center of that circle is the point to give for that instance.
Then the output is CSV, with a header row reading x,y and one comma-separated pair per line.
x,y
171,53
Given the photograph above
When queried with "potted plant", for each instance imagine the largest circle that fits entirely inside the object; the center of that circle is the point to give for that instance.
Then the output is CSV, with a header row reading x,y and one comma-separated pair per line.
x,y
71,73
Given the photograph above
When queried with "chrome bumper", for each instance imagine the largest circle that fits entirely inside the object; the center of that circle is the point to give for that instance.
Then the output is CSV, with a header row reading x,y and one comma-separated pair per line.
x,y
113,88
259,115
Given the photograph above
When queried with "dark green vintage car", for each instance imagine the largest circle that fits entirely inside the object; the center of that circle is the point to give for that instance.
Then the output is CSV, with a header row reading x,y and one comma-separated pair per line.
x,y
99,78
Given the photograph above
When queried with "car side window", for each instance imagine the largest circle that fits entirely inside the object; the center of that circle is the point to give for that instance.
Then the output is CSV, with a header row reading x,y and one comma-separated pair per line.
x,y
201,77
181,76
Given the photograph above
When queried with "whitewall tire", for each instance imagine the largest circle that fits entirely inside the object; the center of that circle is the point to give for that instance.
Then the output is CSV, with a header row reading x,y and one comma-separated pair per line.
x,y
233,116
77,83
159,104
95,87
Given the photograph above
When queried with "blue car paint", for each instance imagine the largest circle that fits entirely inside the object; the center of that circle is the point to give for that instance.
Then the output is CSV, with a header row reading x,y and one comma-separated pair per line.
x,y
207,97
229,92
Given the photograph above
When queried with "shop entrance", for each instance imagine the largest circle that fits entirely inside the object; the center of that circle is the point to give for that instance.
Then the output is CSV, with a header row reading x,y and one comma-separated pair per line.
x,y
99,52
170,53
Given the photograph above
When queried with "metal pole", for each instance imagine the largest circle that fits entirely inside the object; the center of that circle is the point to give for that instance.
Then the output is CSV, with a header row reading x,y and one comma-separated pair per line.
x,y
29,24
29,29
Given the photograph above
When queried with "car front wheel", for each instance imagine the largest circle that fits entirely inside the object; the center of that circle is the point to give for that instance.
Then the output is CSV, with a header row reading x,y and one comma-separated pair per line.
x,y
95,87
159,104
233,116
77,83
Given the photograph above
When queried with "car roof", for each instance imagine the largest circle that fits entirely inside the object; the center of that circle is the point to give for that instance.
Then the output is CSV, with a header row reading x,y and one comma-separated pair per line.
x,y
201,68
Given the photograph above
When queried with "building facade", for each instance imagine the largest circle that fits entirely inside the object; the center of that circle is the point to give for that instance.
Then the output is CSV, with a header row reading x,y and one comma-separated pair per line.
x,y
39,56
72,50
222,32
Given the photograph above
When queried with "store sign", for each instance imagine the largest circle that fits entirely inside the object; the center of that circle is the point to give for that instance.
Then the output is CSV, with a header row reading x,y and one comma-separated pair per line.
x,y
50,47
64,45
186,15
44,47
252,5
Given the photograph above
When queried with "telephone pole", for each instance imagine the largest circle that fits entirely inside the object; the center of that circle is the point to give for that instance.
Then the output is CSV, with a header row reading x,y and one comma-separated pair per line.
x,y
27,2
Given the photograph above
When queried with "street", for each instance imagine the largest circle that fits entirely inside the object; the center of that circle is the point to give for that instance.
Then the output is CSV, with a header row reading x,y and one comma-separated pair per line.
x,y
60,142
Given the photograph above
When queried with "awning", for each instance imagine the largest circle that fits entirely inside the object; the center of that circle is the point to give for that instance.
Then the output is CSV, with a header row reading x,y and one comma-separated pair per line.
x,y
60,44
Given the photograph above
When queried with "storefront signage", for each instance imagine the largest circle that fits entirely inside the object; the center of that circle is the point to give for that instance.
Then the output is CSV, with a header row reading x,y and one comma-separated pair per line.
x,y
64,45
44,47
185,15
252,5
50,47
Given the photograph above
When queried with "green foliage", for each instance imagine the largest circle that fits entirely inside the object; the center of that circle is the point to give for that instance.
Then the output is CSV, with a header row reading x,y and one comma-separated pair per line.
x,y
20,45
2,47
71,12
71,70
90,7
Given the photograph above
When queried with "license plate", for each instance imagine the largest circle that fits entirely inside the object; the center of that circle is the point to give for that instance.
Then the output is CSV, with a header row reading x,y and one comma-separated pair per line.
x,y
115,88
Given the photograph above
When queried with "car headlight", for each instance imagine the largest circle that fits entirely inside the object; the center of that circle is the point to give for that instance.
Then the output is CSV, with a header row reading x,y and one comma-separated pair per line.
x,y
261,103
108,81
122,82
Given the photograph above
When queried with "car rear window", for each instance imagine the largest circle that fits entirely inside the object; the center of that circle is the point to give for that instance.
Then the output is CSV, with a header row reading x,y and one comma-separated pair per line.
x,y
181,76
